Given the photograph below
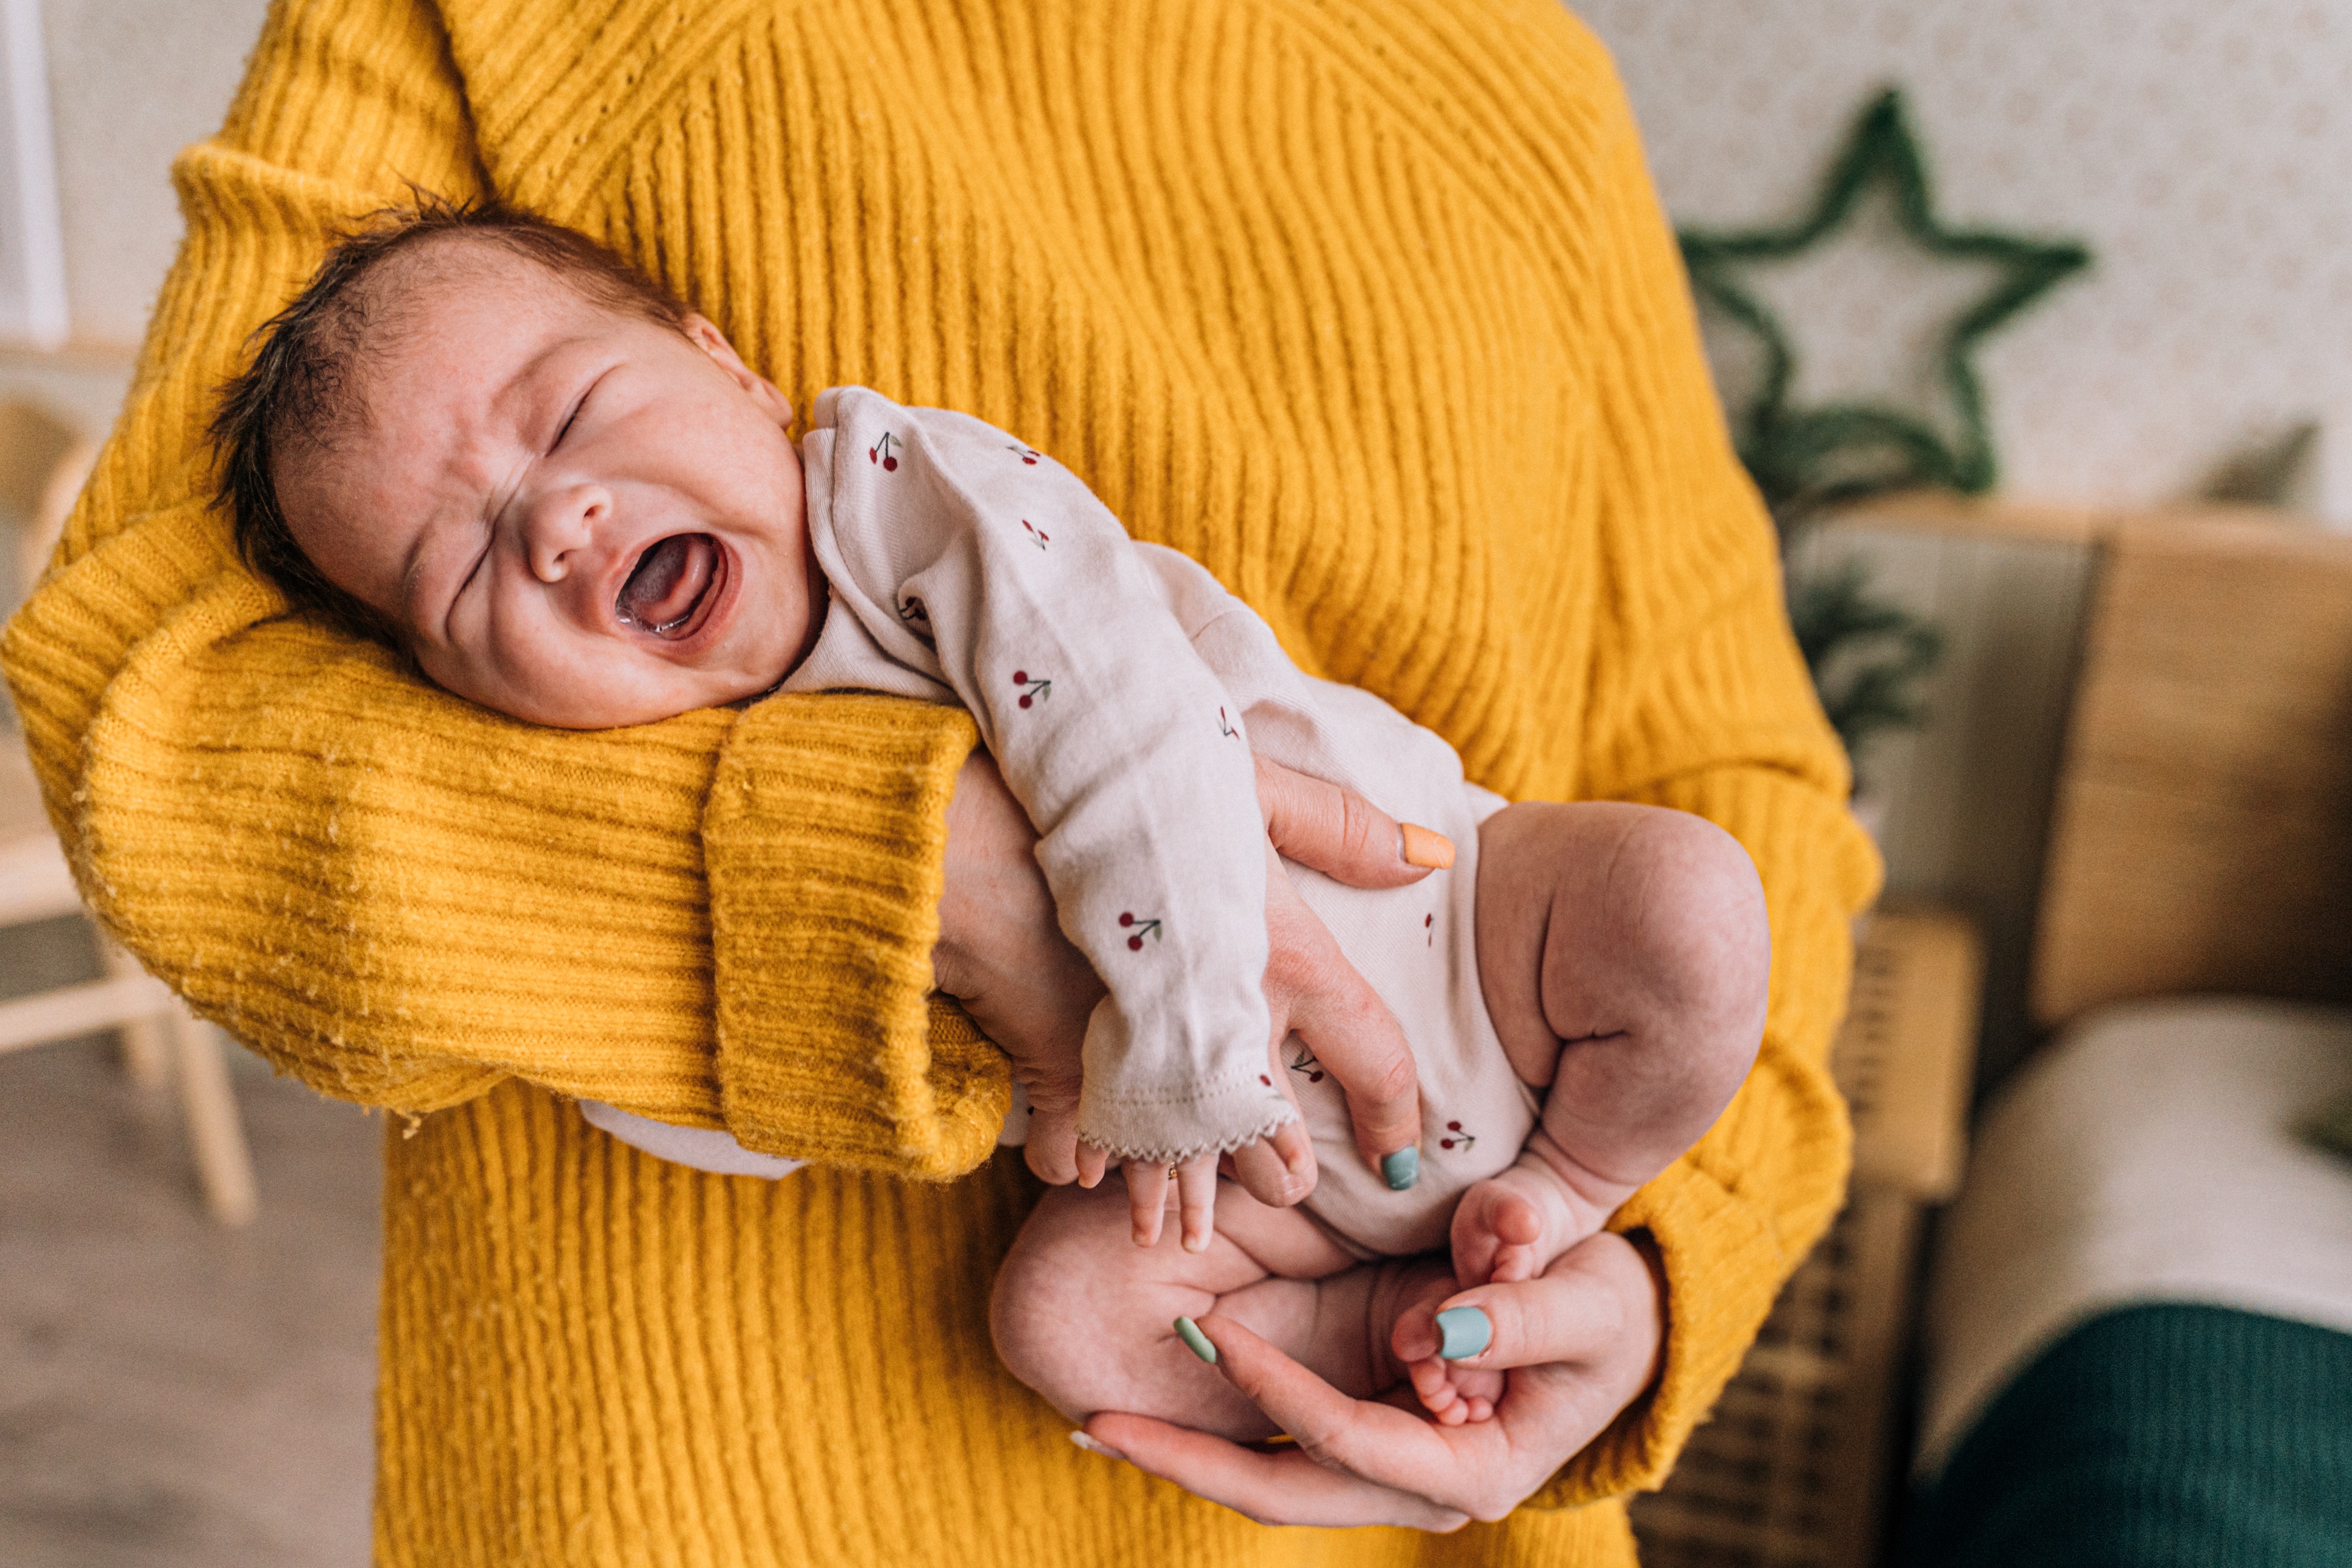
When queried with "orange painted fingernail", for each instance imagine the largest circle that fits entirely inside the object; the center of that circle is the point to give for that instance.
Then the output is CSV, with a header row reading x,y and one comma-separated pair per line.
x,y
1425,848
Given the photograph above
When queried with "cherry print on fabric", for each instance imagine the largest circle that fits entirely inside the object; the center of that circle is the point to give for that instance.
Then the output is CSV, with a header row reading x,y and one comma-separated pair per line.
x,y
1429,924
1037,689
1038,535
1225,727
913,611
1303,1061
1142,928
881,451
1027,455
1462,1140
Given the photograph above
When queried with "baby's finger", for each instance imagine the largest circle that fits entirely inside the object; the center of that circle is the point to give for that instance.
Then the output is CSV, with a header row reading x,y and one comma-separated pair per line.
x,y
1266,1176
1052,1150
1341,835
1196,1201
1147,1199
1297,1150
1092,1163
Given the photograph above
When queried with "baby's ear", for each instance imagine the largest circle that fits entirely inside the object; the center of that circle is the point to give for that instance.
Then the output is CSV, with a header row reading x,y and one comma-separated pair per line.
x,y
704,334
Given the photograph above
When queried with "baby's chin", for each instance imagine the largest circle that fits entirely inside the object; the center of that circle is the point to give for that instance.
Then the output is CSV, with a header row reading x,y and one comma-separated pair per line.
x,y
609,710
618,700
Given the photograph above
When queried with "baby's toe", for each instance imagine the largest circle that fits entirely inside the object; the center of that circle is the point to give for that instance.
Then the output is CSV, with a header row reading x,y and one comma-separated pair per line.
x,y
1477,1391
1432,1385
1512,1264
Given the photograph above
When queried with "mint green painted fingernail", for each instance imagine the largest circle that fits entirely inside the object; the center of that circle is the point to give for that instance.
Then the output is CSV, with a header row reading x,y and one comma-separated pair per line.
x,y
1198,1342
1462,1332
1402,1169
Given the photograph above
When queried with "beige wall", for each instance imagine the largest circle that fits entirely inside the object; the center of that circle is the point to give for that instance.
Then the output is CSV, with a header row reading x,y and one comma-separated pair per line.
x,y
132,82
2200,148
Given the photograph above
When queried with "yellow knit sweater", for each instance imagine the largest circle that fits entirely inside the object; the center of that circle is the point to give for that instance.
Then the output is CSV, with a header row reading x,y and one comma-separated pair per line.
x,y
1365,305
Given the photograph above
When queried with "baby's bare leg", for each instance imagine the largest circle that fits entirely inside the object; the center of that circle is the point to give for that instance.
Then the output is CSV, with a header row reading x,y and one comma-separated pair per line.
x,y
1623,955
1085,1316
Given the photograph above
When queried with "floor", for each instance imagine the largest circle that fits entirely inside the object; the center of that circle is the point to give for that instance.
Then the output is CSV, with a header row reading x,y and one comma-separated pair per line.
x,y
173,1393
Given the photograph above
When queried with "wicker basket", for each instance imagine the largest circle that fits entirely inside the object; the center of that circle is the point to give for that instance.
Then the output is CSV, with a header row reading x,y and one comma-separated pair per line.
x,y
1793,1467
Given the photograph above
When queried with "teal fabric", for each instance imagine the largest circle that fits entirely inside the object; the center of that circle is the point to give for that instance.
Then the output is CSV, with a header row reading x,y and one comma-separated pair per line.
x,y
2153,1436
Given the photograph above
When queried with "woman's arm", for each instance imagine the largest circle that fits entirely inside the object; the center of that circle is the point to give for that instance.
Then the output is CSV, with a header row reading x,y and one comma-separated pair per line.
x,y
402,899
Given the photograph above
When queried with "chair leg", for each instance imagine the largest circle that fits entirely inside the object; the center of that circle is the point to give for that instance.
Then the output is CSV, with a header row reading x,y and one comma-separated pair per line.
x,y
146,1055
215,1132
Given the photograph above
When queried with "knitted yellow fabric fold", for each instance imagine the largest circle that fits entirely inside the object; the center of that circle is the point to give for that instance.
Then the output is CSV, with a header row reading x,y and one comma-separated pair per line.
x,y
1367,307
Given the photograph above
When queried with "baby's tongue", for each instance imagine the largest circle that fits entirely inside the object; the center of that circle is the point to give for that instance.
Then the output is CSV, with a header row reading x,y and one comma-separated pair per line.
x,y
669,582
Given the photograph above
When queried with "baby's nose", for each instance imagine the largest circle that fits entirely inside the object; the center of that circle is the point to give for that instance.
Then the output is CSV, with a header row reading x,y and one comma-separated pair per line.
x,y
560,524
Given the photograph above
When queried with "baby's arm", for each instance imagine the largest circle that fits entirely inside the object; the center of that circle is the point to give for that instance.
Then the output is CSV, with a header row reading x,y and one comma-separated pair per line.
x,y
973,560
1623,953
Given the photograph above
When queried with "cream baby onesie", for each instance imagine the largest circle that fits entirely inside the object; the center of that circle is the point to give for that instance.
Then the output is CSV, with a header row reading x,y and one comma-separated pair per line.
x,y
1122,691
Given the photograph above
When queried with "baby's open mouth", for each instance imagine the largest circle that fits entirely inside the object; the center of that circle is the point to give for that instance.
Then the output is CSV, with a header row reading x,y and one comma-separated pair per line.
x,y
669,584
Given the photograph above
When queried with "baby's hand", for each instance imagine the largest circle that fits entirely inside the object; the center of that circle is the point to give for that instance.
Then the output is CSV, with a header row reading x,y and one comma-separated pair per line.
x,y
1147,1196
1287,1155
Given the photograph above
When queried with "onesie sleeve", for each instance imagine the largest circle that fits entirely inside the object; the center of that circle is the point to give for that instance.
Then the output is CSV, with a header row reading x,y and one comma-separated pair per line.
x,y
399,898
965,556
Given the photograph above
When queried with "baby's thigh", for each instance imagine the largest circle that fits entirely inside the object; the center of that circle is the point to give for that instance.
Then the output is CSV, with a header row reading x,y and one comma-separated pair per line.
x,y
1085,1317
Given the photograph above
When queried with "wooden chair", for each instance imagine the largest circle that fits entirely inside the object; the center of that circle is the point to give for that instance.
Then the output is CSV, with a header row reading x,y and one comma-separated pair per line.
x,y
43,465
2202,835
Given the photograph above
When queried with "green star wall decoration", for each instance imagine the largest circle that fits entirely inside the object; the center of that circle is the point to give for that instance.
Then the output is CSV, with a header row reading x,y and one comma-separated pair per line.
x,y
1806,458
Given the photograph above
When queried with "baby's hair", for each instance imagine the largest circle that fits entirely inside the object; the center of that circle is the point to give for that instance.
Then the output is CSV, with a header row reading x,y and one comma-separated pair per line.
x,y
300,389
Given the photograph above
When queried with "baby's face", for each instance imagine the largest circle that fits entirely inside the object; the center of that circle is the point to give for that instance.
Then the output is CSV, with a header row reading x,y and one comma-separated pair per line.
x,y
572,514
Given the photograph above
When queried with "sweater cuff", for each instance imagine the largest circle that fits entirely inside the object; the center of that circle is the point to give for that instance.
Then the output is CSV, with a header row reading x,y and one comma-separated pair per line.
x,y
825,843
1724,1262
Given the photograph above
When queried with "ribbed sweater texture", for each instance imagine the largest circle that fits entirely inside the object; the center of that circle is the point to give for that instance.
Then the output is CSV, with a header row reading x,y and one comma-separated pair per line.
x,y
2158,1435
1365,305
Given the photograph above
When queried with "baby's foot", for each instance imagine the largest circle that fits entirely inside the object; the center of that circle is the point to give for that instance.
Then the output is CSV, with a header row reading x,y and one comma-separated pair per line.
x,y
1507,1228
1454,1394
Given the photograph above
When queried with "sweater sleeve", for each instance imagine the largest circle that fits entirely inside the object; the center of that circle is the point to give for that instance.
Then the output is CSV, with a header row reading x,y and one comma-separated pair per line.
x,y
402,899
1700,700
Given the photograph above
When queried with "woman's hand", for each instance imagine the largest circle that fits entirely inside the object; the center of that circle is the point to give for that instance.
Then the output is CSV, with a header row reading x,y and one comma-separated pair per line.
x,y
1002,954
1582,1341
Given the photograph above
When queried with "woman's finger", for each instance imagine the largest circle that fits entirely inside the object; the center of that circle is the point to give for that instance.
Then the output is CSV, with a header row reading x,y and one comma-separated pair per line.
x,y
1342,1021
1092,1163
1284,1487
1596,1301
1341,835
1467,1470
